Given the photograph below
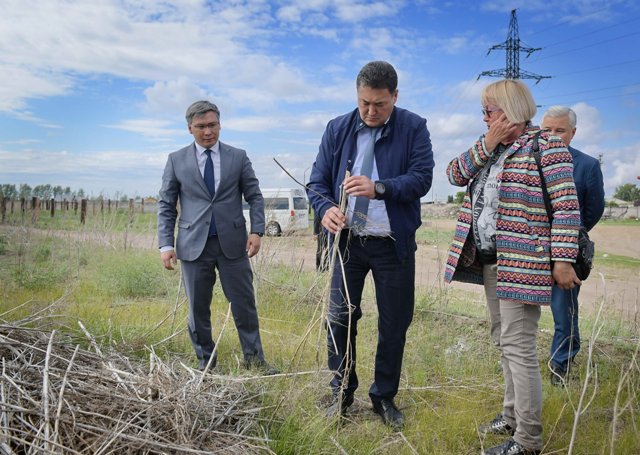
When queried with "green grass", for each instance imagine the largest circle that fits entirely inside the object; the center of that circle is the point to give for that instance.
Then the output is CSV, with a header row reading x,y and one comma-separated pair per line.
x,y
621,222
451,382
434,236
117,220
616,261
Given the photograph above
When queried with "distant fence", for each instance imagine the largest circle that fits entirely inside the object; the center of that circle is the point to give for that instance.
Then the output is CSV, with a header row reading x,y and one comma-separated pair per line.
x,y
621,213
35,206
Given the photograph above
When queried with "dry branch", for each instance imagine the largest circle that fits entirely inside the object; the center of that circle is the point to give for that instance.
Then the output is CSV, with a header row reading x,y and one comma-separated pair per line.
x,y
60,398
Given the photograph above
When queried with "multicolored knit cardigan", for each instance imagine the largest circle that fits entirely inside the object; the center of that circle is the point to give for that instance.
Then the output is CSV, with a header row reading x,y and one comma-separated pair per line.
x,y
525,242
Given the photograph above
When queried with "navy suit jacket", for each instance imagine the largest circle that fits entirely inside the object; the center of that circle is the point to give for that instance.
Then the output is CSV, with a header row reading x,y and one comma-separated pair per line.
x,y
589,186
404,160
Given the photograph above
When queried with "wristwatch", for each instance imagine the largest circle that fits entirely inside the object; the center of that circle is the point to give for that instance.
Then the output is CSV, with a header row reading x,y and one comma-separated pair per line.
x,y
259,234
379,189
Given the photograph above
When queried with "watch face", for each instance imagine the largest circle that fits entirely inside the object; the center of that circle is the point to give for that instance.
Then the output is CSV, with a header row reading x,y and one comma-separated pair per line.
x,y
380,188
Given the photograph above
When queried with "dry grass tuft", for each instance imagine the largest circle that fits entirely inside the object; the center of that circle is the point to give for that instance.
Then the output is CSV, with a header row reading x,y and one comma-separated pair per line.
x,y
56,397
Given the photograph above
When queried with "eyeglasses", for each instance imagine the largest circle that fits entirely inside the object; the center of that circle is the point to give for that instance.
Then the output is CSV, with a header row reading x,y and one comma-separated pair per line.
x,y
208,126
488,112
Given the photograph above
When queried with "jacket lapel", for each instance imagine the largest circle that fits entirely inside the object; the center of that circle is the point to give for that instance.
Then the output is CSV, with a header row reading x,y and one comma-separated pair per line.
x,y
194,169
226,158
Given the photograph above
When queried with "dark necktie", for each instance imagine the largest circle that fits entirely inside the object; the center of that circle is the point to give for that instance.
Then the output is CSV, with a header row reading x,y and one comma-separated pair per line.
x,y
210,181
361,207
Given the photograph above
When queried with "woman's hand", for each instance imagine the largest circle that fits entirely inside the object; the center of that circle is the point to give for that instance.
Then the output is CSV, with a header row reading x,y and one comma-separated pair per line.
x,y
502,131
564,275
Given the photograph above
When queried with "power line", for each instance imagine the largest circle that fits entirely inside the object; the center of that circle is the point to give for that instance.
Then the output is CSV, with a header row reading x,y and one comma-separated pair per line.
x,y
597,68
587,46
596,98
590,33
568,20
592,90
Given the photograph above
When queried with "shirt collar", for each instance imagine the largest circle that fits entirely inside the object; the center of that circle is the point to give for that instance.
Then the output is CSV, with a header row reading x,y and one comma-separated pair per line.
x,y
362,125
201,149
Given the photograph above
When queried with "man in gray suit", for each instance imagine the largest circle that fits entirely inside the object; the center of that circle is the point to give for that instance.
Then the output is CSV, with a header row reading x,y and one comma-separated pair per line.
x,y
208,179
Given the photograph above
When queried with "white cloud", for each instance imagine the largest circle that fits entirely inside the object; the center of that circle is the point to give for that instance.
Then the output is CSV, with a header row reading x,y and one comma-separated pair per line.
x,y
351,11
312,122
19,83
93,171
468,92
157,42
625,167
272,176
150,128
290,13
343,10
453,126
589,126
172,97
574,12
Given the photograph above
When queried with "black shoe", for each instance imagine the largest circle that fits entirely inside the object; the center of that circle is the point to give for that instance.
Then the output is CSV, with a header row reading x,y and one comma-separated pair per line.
x,y
558,377
390,414
261,365
338,406
202,363
509,447
210,370
497,426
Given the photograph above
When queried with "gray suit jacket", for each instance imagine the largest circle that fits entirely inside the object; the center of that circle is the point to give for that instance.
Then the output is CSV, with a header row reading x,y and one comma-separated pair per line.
x,y
183,182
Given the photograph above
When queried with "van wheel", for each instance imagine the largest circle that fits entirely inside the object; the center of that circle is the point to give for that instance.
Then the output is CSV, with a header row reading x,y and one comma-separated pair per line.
x,y
273,229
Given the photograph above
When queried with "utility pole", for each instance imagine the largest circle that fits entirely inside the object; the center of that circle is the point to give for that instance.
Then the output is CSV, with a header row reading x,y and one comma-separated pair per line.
x,y
513,48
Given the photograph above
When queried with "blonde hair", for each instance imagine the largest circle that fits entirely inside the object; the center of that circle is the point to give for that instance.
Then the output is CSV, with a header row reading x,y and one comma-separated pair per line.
x,y
513,97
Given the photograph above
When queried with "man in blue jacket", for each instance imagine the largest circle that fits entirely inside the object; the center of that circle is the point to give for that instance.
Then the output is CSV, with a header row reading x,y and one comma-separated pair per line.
x,y
381,156
561,121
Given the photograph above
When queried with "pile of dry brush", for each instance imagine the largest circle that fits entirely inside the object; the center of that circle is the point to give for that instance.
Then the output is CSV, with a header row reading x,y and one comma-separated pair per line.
x,y
58,398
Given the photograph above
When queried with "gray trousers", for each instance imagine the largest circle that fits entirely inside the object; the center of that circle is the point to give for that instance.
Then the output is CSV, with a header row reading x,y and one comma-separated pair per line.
x,y
236,278
514,327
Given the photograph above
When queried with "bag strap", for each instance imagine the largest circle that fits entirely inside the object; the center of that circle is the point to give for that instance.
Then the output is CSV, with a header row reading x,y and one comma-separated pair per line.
x,y
543,185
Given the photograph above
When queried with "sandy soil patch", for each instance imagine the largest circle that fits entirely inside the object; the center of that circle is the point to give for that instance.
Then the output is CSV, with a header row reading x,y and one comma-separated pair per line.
x,y
618,287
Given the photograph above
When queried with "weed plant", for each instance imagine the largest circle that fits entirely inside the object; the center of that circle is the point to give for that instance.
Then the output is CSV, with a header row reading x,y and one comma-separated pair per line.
x,y
451,381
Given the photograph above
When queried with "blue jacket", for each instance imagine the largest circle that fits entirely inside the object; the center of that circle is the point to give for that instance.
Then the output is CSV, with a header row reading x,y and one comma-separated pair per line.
x,y
405,165
589,186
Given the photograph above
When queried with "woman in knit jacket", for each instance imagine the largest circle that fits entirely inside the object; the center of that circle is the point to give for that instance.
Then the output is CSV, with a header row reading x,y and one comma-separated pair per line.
x,y
505,241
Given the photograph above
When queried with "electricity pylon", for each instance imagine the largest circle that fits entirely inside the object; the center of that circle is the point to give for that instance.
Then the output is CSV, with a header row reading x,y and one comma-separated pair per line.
x,y
513,48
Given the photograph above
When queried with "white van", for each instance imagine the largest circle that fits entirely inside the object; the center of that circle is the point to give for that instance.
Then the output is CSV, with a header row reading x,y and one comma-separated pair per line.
x,y
285,210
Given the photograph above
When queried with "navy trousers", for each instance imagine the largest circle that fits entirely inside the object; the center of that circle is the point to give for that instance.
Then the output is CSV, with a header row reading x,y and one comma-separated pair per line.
x,y
394,282
566,337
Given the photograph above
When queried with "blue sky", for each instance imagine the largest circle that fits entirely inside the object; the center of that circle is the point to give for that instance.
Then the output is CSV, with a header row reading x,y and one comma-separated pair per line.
x,y
93,94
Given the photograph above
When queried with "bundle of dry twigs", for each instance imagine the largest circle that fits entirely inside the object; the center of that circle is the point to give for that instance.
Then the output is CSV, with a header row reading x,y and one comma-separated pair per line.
x,y
59,398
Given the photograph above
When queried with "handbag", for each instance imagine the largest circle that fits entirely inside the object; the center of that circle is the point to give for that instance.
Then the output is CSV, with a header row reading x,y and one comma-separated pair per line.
x,y
586,247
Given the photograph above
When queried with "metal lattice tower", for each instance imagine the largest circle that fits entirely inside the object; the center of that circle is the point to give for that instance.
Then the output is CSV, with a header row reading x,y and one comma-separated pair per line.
x,y
513,48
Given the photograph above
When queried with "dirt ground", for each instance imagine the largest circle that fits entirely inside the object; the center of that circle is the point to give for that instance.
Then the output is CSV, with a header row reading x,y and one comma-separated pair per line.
x,y
619,288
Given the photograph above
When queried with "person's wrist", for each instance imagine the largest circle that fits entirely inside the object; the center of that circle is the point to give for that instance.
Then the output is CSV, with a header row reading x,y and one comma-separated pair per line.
x,y
259,234
379,189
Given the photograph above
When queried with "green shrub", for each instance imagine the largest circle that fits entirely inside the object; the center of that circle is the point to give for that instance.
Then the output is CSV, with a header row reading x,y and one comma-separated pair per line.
x,y
37,277
134,274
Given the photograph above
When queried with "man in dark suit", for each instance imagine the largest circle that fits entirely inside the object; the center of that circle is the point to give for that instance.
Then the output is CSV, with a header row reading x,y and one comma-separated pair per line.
x,y
387,153
209,179
561,121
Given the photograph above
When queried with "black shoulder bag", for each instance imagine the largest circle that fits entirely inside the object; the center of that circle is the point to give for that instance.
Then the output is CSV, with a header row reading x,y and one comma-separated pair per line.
x,y
586,247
